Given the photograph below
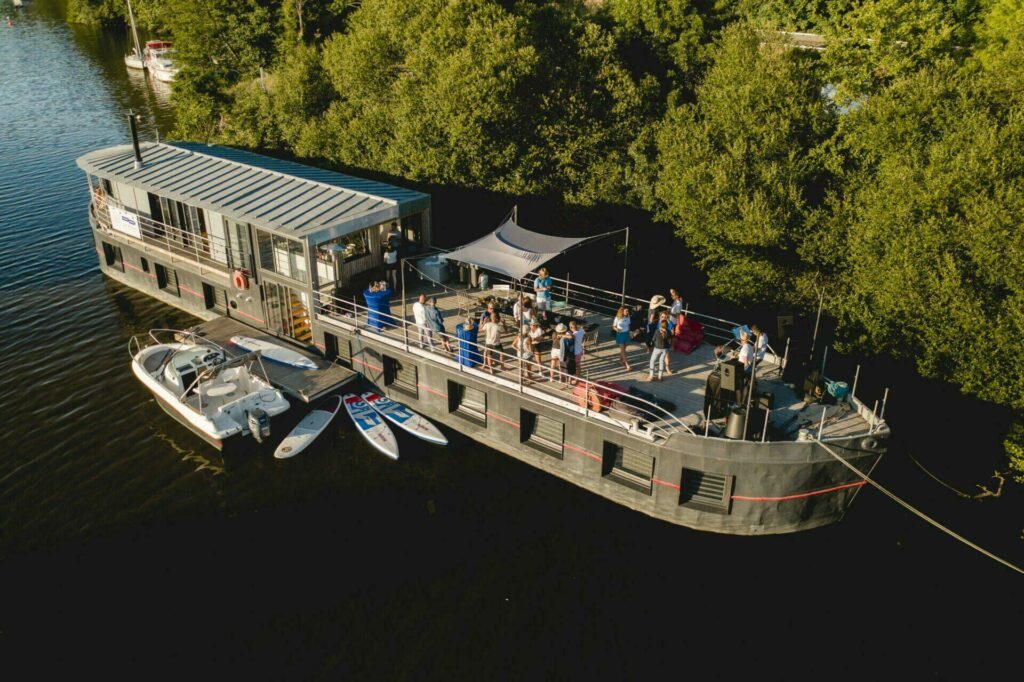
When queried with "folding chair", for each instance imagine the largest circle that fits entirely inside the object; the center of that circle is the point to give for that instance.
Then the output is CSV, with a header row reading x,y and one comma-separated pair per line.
x,y
590,339
466,303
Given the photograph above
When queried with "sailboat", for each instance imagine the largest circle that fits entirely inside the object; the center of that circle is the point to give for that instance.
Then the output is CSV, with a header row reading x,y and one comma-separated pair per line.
x,y
135,60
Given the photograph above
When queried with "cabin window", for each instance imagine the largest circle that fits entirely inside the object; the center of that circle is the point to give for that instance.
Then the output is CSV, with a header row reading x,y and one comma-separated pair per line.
x,y
542,433
167,280
284,256
239,245
112,256
401,375
627,467
706,491
188,220
412,229
108,187
467,402
154,207
145,264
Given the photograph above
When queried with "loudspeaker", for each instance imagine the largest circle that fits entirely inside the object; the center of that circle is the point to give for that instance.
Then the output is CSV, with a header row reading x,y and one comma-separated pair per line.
x,y
715,400
732,375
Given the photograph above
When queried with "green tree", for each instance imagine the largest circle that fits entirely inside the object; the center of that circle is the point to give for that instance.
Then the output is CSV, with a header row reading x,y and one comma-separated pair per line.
x,y
1001,45
880,40
933,201
738,169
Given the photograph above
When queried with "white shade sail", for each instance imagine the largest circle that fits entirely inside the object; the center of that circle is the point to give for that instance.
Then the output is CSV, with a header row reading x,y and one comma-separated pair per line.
x,y
513,251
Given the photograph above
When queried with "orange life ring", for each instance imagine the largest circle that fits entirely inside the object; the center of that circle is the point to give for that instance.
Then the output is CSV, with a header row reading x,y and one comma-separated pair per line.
x,y
240,280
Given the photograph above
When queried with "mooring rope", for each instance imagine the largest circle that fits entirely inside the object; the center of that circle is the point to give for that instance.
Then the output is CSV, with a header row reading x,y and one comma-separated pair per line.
x,y
914,511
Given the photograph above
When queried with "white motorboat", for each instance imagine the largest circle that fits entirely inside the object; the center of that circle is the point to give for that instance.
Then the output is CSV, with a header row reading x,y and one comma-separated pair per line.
x,y
137,58
158,60
219,397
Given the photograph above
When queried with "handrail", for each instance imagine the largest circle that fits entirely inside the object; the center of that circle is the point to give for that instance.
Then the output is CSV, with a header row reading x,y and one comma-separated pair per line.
x,y
587,296
658,421
198,247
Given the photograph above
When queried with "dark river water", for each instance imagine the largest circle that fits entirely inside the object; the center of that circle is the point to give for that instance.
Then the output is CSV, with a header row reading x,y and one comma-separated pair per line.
x,y
125,545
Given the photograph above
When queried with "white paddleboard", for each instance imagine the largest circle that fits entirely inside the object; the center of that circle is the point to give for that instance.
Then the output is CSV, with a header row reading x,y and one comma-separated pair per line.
x,y
371,425
404,418
306,431
273,351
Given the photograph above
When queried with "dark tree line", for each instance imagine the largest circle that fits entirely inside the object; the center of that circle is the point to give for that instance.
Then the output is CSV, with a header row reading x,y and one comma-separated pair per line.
x,y
886,169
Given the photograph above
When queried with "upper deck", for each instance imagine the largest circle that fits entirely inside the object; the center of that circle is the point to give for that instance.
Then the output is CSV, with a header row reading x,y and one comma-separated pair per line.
x,y
678,402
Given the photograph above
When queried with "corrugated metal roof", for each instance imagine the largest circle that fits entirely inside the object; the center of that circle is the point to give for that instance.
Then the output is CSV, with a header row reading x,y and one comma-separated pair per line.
x,y
298,200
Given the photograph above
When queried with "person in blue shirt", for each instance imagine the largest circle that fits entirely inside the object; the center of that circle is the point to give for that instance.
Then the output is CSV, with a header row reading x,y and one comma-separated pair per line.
x,y
542,289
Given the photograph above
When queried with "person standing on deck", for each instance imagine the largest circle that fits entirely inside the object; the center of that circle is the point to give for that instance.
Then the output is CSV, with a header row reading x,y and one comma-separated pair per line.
x,y
660,340
492,342
436,322
419,314
663,317
676,308
620,325
394,236
524,349
391,265
746,354
542,289
760,342
577,338
567,355
556,349
652,318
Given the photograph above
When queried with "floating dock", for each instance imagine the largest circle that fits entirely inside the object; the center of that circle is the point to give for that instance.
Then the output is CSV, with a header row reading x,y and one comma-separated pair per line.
x,y
305,384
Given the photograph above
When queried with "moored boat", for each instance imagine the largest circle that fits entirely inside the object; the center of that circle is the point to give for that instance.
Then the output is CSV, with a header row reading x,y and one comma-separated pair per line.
x,y
218,397
137,58
158,60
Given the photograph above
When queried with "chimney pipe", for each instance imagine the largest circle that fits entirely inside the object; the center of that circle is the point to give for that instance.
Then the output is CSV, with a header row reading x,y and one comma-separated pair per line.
x,y
132,118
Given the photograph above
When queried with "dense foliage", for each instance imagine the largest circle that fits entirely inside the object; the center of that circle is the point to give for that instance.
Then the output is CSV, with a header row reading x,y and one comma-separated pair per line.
x,y
886,169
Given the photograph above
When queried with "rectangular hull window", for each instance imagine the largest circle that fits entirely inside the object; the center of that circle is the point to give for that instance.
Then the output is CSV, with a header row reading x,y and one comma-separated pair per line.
x,y
706,491
402,376
112,256
628,467
467,402
542,433
167,279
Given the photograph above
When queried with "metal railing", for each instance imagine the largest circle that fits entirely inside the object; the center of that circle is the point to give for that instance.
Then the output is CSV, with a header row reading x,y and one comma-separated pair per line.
x,y
567,295
635,414
202,249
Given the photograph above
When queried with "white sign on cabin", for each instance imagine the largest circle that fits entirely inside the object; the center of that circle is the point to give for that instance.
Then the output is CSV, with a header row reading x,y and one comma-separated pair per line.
x,y
123,221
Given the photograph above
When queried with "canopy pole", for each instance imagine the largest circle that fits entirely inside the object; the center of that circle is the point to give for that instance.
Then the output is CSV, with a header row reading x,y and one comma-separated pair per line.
x,y
405,321
625,266
817,321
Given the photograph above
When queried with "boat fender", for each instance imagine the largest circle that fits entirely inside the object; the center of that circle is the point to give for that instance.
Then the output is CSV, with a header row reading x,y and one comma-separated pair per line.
x,y
869,443
239,279
259,424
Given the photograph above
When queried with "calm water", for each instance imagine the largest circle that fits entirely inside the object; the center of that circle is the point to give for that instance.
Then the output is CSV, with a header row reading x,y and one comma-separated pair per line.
x,y
123,542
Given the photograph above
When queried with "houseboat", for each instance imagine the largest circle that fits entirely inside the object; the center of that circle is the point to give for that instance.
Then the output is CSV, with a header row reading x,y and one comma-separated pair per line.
x,y
292,250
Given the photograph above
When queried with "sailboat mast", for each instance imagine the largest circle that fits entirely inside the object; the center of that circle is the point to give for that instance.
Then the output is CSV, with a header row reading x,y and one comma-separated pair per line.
x,y
135,33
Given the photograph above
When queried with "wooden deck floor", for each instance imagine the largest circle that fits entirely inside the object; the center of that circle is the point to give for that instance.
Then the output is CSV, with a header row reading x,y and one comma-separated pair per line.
x,y
305,384
684,387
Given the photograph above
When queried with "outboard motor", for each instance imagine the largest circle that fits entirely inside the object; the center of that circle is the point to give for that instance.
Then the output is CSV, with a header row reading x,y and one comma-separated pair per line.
x,y
259,424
